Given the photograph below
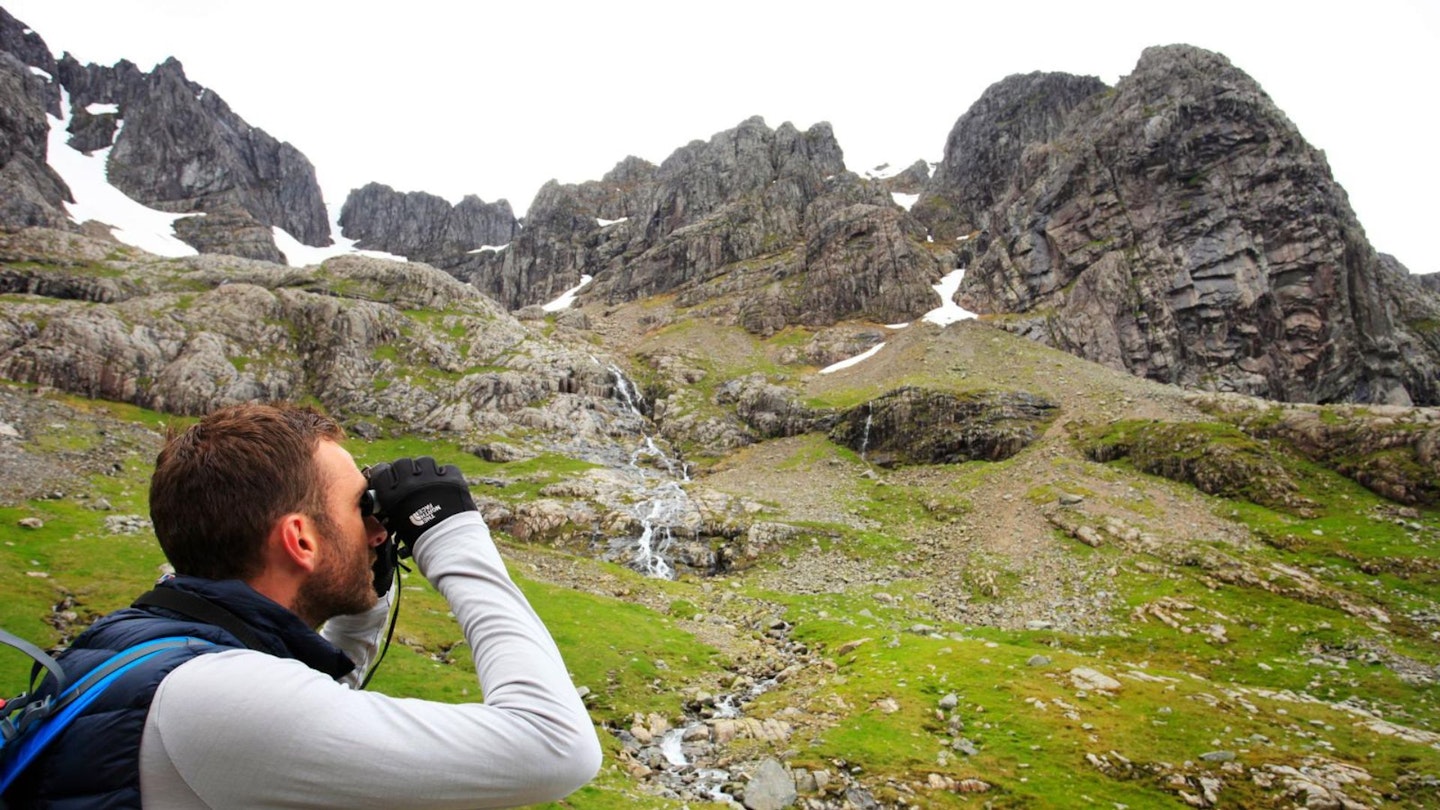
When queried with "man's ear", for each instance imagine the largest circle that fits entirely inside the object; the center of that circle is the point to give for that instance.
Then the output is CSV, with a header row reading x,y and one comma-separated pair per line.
x,y
295,541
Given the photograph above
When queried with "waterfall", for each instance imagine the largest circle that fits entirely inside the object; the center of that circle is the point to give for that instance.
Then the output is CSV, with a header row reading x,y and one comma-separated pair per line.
x,y
670,747
865,437
662,503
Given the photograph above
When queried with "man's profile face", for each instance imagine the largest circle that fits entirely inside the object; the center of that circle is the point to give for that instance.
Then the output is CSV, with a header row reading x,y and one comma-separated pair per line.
x,y
342,582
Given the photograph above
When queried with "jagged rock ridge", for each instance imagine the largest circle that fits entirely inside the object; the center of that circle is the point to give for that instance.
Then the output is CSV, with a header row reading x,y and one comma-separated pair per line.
x,y
424,227
1177,226
764,227
180,149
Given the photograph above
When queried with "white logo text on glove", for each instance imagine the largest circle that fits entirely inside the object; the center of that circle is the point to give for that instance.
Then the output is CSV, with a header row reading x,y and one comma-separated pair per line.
x,y
424,514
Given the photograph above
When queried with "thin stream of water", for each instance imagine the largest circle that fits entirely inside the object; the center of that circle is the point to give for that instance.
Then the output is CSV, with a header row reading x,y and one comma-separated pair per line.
x,y
662,504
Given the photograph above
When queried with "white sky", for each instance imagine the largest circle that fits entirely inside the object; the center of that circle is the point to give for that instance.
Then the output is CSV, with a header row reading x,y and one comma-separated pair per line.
x,y
494,99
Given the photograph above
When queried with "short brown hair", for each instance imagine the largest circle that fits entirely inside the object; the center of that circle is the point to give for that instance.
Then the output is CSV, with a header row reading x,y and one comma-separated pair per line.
x,y
220,485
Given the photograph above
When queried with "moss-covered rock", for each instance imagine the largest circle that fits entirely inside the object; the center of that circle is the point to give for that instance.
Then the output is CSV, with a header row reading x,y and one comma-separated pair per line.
x,y
921,426
1392,451
1215,458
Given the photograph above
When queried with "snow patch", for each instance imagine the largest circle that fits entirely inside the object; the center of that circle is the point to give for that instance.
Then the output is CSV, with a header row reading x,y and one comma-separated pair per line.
x,y
131,222
146,228
605,223
489,248
299,254
567,298
948,312
904,200
41,73
859,358
98,108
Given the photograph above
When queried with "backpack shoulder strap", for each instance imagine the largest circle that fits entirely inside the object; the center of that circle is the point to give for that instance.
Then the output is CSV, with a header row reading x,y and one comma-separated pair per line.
x,y
42,659
202,609
41,721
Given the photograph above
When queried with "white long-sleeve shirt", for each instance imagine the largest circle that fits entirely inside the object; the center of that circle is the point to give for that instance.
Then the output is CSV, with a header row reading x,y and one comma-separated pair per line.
x,y
242,729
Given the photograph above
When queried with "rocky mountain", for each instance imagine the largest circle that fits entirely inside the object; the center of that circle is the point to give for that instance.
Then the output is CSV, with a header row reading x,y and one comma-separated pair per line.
x,y
424,227
968,569
1177,226
174,146
763,227
31,193
890,583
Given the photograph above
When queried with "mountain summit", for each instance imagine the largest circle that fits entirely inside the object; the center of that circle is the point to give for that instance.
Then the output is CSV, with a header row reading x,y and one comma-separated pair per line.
x,y
1177,226
170,144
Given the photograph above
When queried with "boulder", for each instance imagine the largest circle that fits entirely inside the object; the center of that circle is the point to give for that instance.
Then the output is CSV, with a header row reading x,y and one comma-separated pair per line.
x,y
770,788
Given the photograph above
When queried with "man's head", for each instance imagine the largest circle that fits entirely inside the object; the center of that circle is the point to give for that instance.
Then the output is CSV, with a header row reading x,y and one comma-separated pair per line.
x,y
220,485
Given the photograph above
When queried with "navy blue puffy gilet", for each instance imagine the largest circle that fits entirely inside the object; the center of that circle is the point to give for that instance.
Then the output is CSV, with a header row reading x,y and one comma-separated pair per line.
x,y
95,763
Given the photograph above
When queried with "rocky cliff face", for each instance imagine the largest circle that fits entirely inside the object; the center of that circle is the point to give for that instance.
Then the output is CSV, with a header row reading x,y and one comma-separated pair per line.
x,y
175,146
764,227
424,227
182,149
1178,227
30,191
190,335
985,145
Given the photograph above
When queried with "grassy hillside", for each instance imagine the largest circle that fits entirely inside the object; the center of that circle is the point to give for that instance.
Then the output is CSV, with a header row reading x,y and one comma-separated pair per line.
x,y
1148,606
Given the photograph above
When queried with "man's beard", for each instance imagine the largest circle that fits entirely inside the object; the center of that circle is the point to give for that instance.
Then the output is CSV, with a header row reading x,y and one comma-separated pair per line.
x,y
343,582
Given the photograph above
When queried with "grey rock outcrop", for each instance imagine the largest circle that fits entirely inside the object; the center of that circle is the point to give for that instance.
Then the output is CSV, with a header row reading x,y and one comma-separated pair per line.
x,y
180,149
31,193
1178,227
764,227
185,336
771,411
921,426
228,228
1394,452
771,787
911,180
985,146
424,227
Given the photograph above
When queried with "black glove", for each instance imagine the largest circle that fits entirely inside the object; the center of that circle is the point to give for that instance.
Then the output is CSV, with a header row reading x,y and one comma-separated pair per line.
x,y
414,494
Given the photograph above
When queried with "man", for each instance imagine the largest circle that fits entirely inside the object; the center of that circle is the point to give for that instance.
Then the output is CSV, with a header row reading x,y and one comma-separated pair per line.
x,y
273,530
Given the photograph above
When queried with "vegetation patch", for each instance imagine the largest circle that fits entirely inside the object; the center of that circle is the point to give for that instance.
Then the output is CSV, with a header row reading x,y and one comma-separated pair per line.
x,y
1217,459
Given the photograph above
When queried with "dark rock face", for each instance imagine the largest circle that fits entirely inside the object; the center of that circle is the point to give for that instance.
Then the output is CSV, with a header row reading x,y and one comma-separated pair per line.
x,y
765,227
27,46
921,426
983,149
181,149
30,191
1180,228
424,227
